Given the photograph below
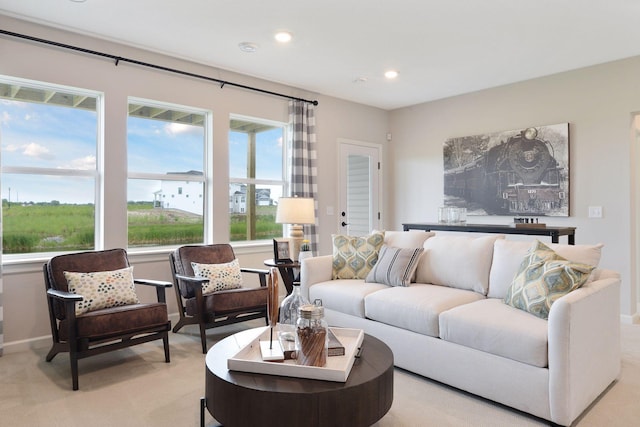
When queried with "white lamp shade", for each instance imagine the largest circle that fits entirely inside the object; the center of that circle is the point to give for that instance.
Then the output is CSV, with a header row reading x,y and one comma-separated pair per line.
x,y
295,210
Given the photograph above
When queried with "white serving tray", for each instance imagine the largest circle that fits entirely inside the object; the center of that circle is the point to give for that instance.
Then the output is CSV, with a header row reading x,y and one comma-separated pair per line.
x,y
249,359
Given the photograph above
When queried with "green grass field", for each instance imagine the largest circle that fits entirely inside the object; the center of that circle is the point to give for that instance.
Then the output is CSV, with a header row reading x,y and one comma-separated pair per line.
x,y
58,227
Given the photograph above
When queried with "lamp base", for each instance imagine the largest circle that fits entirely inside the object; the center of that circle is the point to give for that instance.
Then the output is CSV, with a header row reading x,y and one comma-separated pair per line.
x,y
296,236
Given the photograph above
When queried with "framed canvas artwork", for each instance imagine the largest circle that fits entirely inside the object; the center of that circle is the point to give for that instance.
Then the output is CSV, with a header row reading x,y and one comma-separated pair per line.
x,y
519,172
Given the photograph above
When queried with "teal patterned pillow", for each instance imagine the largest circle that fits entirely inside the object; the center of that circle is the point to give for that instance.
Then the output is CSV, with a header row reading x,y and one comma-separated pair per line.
x,y
542,278
353,257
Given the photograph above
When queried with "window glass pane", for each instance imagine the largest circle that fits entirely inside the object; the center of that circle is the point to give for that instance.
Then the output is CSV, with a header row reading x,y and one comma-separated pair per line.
x,y
40,135
47,213
49,149
264,225
238,145
160,147
161,216
256,153
269,154
167,143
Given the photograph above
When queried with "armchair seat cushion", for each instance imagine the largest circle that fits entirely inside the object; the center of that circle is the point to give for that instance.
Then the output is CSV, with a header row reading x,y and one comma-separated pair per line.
x,y
230,301
117,321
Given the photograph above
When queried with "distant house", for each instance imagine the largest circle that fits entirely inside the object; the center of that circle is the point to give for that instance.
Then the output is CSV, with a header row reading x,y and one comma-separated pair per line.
x,y
183,195
238,198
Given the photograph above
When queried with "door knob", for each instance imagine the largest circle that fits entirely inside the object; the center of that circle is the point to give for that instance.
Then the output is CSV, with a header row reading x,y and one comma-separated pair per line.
x,y
344,224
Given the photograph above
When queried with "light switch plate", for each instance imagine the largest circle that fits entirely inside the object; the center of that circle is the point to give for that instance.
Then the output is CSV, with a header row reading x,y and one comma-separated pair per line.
x,y
595,211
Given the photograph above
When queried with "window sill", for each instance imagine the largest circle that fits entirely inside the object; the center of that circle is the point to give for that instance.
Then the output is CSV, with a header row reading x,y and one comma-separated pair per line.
x,y
14,264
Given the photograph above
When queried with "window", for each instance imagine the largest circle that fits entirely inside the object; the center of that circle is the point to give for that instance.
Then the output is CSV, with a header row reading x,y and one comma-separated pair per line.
x,y
50,191
166,148
256,170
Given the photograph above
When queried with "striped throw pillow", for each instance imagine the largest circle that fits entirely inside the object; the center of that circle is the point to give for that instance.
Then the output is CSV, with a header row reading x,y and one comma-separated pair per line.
x,y
395,266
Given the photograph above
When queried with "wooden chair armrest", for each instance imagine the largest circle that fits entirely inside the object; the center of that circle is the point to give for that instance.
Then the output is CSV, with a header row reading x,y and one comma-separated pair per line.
x,y
160,286
192,279
149,282
64,296
254,270
260,272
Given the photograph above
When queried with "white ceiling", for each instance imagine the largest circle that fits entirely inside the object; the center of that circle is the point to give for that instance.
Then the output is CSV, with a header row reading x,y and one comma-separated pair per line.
x,y
440,48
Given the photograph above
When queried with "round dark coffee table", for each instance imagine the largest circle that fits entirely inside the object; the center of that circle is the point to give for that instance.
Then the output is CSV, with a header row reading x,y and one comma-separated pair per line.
x,y
246,399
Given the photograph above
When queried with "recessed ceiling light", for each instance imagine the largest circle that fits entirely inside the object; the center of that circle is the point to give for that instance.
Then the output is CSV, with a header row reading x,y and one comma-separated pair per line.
x,y
283,36
248,47
391,74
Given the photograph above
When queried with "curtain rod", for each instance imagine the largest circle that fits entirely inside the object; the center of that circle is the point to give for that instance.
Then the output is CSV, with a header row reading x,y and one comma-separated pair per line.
x,y
118,59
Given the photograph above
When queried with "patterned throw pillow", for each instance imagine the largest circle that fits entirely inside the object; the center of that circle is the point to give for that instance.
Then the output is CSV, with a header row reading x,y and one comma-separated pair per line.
x,y
221,276
542,278
102,289
395,266
353,257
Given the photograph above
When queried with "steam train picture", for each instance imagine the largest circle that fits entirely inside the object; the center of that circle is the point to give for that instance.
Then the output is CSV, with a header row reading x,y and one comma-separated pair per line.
x,y
519,176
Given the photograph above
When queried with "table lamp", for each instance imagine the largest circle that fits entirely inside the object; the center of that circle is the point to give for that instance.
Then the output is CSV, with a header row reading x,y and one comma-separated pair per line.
x,y
295,211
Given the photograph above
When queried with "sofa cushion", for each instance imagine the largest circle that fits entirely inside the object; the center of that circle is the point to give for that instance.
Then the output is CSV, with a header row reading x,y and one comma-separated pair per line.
x,y
346,296
415,307
222,276
457,261
508,254
407,239
395,266
494,327
353,257
543,277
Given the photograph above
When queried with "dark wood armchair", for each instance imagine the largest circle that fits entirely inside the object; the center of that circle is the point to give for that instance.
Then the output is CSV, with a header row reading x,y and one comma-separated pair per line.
x,y
220,307
103,329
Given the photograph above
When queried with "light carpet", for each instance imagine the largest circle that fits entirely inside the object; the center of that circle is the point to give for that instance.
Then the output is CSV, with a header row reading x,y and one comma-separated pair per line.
x,y
134,387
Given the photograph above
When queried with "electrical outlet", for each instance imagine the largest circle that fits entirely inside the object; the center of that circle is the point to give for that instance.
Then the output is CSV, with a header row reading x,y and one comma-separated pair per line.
x,y
595,211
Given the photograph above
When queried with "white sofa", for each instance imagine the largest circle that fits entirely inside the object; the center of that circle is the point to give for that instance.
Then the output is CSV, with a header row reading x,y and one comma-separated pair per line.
x,y
452,325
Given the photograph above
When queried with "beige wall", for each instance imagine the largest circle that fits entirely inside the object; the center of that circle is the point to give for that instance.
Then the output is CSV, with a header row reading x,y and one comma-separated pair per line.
x,y
25,311
598,102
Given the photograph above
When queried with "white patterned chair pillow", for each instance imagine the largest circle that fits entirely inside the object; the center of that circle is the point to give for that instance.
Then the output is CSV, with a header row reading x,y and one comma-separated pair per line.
x,y
221,276
102,289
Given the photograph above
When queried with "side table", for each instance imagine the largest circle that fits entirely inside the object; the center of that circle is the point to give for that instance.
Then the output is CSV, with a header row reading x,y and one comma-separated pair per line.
x,y
289,271
246,399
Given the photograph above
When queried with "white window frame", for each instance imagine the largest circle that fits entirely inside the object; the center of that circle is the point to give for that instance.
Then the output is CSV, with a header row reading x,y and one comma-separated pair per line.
x,y
285,150
97,174
205,179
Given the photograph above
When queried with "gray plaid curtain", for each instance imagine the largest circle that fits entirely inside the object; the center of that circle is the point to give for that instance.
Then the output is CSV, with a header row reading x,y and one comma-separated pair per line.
x,y
303,161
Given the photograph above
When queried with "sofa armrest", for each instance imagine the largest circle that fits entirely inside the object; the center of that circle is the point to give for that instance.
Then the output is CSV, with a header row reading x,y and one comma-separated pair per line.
x,y
584,346
315,270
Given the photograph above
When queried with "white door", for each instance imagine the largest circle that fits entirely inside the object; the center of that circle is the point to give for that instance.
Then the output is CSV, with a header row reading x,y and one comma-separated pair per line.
x,y
359,188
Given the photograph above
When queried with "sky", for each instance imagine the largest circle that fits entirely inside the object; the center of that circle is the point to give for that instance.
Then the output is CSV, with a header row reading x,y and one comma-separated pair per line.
x,y
56,137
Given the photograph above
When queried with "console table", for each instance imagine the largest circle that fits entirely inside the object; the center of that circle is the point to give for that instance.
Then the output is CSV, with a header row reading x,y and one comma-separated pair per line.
x,y
289,271
553,232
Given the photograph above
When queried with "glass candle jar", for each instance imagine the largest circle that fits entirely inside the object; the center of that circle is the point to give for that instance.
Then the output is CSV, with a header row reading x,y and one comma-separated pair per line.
x,y
312,336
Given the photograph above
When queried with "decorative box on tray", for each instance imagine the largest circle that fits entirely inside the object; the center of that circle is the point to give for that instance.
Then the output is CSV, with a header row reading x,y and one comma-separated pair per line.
x,y
249,358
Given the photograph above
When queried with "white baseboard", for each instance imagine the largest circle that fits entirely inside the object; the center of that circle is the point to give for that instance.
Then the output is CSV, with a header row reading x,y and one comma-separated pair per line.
x,y
630,319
